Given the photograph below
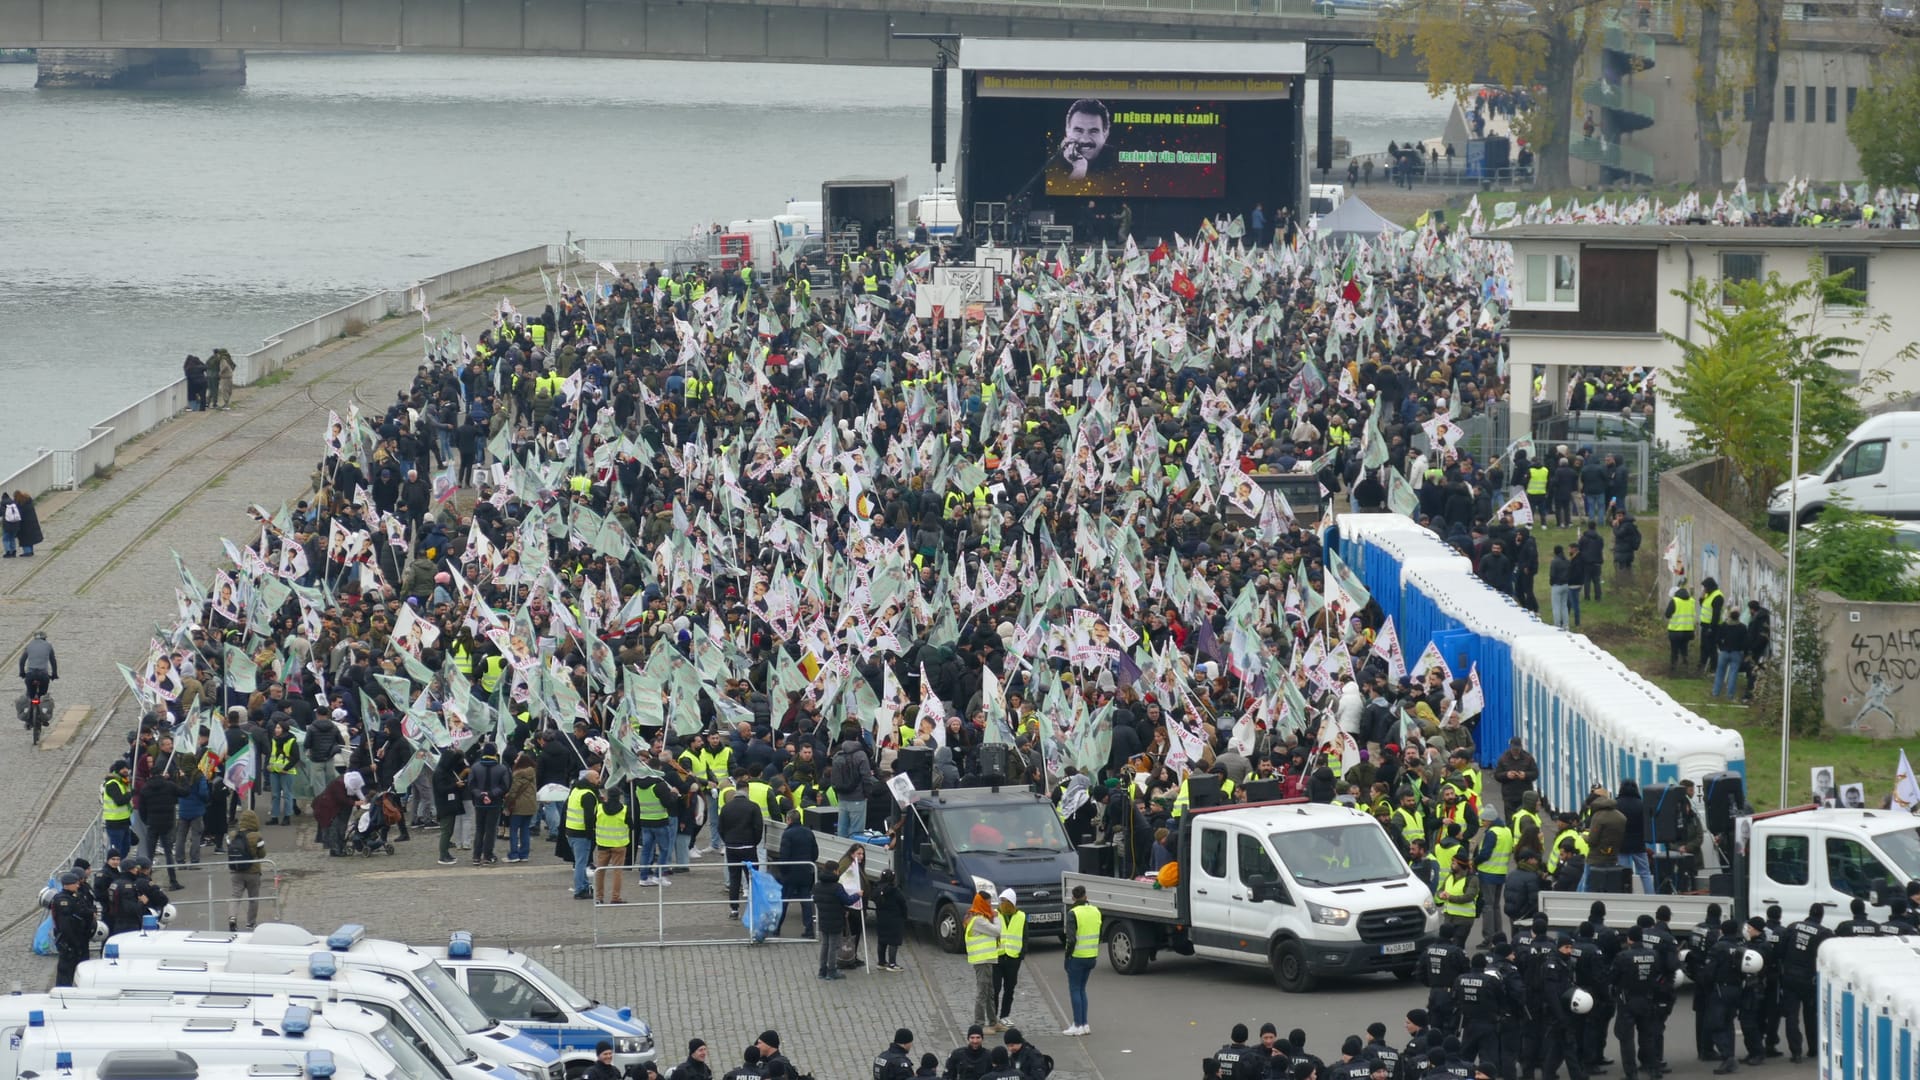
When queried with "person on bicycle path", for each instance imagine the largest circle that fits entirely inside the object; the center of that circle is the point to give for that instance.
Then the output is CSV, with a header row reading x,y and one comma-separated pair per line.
x,y
38,666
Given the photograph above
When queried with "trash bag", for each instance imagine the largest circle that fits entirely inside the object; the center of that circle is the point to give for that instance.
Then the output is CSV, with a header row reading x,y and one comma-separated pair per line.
x,y
43,938
762,910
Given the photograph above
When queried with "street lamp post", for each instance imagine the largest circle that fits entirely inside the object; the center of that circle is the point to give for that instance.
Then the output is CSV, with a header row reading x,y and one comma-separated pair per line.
x,y
1793,558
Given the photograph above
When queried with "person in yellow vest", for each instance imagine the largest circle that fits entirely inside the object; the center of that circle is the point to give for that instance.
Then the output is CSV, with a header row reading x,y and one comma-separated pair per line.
x,y
1683,618
1712,612
283,762
1082,929
116,808
1459,897
583,803
1537,490
1410,818
1496,856
611,838
1013,942
981,933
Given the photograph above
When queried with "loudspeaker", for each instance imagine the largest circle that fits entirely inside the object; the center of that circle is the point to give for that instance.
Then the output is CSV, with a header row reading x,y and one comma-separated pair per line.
x,y
1663,812
917,762
1609,879
1096,859
1323,134
996,759
1720,884
823,819
1203,789
1498,149
940,112
1725,794
1261,790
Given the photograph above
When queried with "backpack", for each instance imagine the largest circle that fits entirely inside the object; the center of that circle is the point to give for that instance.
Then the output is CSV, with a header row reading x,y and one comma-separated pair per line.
x,y
240,856
846,771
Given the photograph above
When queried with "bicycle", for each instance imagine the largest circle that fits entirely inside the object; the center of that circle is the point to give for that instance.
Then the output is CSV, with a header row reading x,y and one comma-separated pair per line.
x,y
35,716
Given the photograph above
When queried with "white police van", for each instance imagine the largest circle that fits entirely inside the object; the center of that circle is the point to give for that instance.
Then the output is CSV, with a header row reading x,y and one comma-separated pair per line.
x,y
180,1065
292,1044
518,989
318,981
497,1042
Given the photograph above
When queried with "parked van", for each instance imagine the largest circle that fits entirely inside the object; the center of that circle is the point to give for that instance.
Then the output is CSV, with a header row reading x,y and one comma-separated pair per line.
x,y
1877,471
179,1065
316,981
294,1042
515,987
497,1042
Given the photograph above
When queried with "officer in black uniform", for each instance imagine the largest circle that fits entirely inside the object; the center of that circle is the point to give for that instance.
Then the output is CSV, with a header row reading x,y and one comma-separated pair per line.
x,y
1561,1039
1378,1049
896,1061
1859,925
1533,944
1024,1057
1238,1061
1773,932
1902,918
1639,1026
72,928
1592,974
1000,1065
1660,938
1414,1059
1753,993
1799,978
110,871
1353,1063
135,897
969,1062
603,1067
1273,1053
1697,963
1440,964
1722,988
1481,998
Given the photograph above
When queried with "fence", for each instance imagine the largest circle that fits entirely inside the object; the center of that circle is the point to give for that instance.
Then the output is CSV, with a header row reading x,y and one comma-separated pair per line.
x,y
687,880
218,903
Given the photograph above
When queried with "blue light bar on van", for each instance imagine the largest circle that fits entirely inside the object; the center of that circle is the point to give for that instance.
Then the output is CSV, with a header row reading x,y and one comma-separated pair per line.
x,y
460,945
298,1021
321,965
36,1018
110,951
346,937
63,1060
320,1064
149,922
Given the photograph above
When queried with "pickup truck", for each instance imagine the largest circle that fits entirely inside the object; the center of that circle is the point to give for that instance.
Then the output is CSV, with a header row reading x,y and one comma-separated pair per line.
x,y
1795,857
949,843
1306,890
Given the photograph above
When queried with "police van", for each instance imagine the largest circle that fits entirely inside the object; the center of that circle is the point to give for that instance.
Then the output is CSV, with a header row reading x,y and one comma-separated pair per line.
x,y
496,1042
317,981
294,1042
518,989
179,1065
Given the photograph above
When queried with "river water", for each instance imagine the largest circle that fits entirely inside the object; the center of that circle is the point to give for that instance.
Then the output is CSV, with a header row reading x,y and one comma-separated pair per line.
x,y
137,227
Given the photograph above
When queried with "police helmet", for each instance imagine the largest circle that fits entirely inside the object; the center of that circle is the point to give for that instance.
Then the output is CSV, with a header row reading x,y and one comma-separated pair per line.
x,y
1751,961
48,895
167,913
1580,1002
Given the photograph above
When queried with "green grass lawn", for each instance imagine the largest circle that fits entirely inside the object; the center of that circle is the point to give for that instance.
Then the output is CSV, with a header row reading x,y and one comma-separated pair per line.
x,y
1627,625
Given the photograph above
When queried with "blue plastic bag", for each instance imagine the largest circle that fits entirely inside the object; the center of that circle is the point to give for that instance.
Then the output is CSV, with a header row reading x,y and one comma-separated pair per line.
x,y
43,937
762,911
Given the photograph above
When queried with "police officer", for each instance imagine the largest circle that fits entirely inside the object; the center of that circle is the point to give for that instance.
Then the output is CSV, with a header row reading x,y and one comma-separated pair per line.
x,y
1723,984
1561,1037
896,1061
603,1067
1859,925
1753,991
1637,972
1773,932
1799,992
134,897
1481,998
1533,948
1592,974
969,1062
1441,963
1353,1063
72,927
1238,1061
1000,1066
1024,1057
1378,1050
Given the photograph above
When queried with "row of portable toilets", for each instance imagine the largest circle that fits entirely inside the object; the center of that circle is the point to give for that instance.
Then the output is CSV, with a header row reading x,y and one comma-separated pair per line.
x,y
1870,1009
1585,717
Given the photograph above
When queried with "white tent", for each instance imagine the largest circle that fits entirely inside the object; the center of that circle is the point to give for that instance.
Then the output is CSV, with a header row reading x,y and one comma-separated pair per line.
x,y
1354,219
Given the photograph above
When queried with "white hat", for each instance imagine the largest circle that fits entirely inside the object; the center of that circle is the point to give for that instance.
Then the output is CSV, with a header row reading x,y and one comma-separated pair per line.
x,y
339,714
1007,897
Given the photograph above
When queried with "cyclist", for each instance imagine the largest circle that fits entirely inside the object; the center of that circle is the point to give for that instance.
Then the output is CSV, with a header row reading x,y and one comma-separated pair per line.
x,y
38,665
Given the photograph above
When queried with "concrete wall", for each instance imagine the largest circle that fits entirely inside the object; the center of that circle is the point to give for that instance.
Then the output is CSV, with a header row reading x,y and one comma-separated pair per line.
x,y
1709,542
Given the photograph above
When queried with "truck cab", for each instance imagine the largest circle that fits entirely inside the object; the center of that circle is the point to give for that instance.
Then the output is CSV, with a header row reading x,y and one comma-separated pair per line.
x,y
1830,856
954,842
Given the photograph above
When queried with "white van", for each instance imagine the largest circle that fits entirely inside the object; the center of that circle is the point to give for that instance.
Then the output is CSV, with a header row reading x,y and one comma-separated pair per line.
x,y
498,1043
179,1065
515,987
295,1043
318,981
1877,471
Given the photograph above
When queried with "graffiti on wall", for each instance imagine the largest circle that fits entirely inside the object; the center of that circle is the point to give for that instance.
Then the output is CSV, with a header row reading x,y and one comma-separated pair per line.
x,y
1878,666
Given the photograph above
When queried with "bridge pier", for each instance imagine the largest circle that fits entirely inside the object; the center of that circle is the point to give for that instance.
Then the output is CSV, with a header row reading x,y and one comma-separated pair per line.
x,y
141,69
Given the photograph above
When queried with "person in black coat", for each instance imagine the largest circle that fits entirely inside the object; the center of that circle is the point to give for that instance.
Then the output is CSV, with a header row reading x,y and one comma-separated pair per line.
x,y
1521,898
449,789
890,920
27,532
797,845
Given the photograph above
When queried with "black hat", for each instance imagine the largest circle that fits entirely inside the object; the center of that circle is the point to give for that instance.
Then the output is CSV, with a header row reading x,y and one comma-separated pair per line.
x,y
694,1044
1268,1029
975,1029
69,878
1013,1037
1417,1017
1238,1034
903,1036
82,865
771,1038
603,1047
1352,1046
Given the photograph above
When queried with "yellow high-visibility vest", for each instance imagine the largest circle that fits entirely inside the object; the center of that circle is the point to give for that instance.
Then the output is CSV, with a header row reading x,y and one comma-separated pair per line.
x,y
1686,616
610,829
1013,936
111,811
1086,931
1452,891
1502,850
576,821
982,948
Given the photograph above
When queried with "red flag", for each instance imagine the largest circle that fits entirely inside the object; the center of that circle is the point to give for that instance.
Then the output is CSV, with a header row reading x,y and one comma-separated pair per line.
x,y
1350,292
1183,285
1158,253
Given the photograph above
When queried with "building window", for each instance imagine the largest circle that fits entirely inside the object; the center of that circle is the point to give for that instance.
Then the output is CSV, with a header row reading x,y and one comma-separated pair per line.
x,y
1791,100
1833,104
1747,104
1553,280
1853,291
1853,95
1811,115
1739,266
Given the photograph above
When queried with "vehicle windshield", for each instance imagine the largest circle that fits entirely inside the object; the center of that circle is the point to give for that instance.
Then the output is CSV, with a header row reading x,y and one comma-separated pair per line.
x,y
1023,828
428,1023
411,1061
1903,847
466,1015
558,986
1339,855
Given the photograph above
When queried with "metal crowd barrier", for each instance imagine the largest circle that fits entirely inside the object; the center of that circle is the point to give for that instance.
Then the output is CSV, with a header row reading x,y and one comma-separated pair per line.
x,y
688,882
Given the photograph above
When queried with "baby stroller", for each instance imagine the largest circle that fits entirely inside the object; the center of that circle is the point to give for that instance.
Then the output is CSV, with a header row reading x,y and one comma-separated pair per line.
x,y
367,828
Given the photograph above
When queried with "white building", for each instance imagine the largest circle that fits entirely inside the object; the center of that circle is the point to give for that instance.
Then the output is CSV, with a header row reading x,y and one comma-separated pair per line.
x,y
1604,295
